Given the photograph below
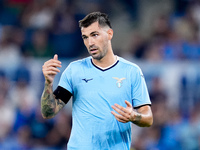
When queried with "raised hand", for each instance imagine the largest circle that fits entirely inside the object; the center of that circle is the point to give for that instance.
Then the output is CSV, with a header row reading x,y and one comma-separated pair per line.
x,y
124,114
50,69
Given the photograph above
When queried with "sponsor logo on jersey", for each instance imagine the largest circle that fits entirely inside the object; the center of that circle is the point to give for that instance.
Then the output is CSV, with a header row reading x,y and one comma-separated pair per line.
x,y
86,80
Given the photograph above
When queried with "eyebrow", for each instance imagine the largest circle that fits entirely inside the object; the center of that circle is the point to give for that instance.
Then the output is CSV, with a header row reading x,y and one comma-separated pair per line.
x,y
94,32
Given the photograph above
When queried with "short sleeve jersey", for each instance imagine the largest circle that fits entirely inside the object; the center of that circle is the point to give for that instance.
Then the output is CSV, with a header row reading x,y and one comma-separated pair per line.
x,y
94,92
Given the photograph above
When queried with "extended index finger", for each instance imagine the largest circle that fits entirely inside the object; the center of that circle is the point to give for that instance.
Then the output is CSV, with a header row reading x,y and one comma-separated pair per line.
x,y
55,57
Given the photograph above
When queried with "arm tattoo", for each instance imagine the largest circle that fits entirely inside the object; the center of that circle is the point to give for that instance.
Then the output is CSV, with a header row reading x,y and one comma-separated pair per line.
x,y
60,104
137,118
49,105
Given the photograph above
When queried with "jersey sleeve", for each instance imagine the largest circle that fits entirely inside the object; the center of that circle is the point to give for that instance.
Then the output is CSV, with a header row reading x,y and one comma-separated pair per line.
x,y
66,80
140,95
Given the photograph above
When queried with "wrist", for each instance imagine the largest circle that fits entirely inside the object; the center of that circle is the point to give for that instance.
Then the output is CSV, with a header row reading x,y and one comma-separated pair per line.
x,y
47,83
137,117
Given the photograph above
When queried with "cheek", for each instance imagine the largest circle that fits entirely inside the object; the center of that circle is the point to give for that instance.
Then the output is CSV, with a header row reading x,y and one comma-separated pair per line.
x,y
102,41
86,45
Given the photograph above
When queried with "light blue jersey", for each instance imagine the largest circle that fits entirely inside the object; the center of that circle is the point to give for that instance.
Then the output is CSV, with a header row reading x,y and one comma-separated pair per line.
x,y
94,92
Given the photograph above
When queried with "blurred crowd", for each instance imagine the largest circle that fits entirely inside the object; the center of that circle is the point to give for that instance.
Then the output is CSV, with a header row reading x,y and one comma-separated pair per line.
x,y
32,31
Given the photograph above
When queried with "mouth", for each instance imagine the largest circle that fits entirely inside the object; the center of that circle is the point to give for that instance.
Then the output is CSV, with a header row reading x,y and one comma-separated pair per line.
x,y
93,51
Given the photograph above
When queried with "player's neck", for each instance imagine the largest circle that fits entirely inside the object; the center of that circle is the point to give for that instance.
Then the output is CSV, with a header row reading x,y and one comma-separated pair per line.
x,y
106,61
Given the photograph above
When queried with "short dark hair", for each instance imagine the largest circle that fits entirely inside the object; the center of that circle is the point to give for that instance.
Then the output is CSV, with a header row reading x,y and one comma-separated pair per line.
x,y
102,19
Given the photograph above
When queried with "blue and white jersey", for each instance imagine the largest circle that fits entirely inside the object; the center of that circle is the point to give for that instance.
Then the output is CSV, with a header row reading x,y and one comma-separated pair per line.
x,y
94,92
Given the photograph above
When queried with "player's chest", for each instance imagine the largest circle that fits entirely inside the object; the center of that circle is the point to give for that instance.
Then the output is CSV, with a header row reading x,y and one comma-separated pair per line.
x,y
94,82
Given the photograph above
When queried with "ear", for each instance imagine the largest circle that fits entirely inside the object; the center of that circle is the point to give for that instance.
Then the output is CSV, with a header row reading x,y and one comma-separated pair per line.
x,y
110,33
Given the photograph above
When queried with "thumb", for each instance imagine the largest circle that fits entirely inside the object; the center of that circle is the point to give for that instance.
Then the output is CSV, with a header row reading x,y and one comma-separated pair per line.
x,y
128,103
55,57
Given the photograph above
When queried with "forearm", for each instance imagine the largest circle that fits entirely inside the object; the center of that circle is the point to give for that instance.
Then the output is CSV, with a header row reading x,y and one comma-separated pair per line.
x,y
143,118
50,106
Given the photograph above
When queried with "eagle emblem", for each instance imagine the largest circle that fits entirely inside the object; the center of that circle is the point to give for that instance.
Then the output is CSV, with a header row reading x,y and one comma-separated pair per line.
x,y
119,81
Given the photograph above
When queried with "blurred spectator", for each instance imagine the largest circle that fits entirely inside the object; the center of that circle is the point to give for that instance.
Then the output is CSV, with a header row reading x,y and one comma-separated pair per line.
x,y
185,26
170,133
89,6
8,15
190,132
19,38
159,99
64,19
39,14
172,49
9,50
181,7
39,46
161,27
138,45
39,129
154,50
6,108
159,36
132,7
59,135
22,95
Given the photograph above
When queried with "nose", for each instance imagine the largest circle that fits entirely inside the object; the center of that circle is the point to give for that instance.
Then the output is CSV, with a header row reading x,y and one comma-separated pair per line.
x,y
90,41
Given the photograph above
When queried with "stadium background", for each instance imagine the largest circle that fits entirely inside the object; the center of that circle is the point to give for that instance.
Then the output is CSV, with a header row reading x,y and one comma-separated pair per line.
x,y
161,36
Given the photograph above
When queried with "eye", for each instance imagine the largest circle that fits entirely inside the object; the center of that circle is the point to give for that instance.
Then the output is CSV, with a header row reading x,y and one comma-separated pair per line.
x,y
84,37
95,35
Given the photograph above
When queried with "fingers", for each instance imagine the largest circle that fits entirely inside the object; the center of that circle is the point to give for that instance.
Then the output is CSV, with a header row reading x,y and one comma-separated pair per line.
x,y
50,68
51,65
121,109
123,114
52,62
128,103
55,57
119,117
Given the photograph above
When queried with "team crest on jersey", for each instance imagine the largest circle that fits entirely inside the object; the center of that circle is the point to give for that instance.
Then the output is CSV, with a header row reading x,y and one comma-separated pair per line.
x,y
119,81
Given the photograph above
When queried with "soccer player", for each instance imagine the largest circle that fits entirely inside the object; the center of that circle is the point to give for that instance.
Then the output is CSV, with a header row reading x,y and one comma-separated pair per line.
x,y
109,92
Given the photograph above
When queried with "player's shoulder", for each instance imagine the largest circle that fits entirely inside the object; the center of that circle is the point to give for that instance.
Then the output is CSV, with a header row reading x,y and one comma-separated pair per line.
x,y
130,66
128,63
79,63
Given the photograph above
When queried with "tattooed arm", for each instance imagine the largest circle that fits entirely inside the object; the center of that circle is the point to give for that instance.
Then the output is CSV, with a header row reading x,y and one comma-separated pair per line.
x,y
143,116
50,106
